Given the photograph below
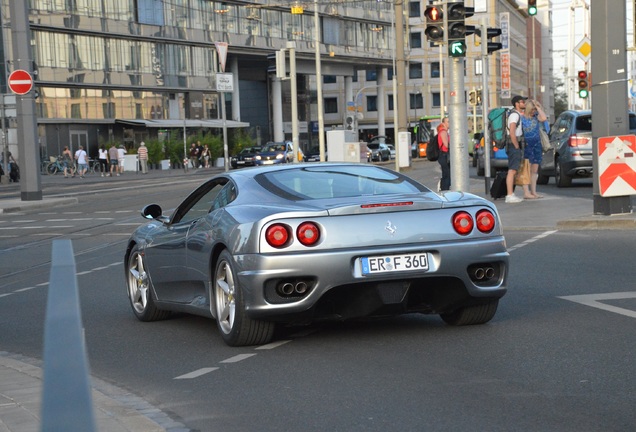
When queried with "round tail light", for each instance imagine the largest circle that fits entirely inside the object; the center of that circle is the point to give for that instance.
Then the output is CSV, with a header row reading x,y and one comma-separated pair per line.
x,y
308,233
485,221
463,223
277,235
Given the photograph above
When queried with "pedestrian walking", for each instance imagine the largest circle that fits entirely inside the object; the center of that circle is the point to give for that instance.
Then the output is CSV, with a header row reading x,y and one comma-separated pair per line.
x,y
205,156
103,160
142,153
67,162
194,158
82,161
114,160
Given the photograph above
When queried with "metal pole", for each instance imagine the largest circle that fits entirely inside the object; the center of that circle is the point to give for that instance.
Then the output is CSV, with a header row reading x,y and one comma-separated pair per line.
x,y
226,152
485,98
321,118
458,127
186,160
291,45
396,112
28,141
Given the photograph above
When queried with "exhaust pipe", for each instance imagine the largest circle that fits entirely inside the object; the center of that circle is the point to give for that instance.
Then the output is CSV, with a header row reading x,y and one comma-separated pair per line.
x,y
287,288
490,272
300,288
479,273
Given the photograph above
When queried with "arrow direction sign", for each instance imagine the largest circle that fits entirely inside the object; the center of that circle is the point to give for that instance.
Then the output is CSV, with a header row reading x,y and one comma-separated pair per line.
x,y
457,49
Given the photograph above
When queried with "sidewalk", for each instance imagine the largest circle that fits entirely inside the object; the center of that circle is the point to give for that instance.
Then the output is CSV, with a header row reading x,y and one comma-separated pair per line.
x,y
114,409
119,411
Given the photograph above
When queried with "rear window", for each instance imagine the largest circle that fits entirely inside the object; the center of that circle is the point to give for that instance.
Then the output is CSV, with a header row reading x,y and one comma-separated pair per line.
x,y
308,183
584,123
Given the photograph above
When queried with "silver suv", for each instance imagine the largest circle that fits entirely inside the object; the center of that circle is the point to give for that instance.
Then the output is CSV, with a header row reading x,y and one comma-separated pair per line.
x,y
570,155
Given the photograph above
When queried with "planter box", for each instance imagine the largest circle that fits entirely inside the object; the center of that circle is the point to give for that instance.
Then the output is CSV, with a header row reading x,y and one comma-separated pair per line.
x,y
165,164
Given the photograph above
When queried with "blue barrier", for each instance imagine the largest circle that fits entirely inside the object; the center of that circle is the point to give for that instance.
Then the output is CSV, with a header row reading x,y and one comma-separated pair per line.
x,y
66,397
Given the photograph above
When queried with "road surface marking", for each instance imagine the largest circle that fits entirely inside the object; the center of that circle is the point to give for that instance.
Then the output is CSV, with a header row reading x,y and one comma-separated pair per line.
x,y
272,345
531,240
594,300
237,358
197,373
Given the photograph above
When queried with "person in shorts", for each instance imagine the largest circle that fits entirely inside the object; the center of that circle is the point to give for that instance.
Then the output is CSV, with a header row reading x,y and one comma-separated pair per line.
x,y
514,146
113,156
82,161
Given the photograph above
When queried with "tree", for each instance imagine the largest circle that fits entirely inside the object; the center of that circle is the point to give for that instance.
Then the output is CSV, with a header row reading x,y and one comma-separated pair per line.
x,y
560,97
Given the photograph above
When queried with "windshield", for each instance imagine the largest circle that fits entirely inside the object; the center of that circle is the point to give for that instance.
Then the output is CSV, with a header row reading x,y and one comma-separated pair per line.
x,y
275,147
337,182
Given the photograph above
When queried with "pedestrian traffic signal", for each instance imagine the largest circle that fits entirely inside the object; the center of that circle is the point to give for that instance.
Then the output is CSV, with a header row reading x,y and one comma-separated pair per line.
x,y
349,122
434,23
532,7
472,97
584,90
479,97
457,28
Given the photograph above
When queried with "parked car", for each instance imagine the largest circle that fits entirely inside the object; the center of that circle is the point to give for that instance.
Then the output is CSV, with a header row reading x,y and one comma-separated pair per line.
x,y
290,244
392,150
570,155
313,155
378,151
498,160
276,152
246,157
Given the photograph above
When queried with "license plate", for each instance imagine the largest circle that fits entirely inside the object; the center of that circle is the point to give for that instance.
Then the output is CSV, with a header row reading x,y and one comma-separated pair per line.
x,y
241,162
268,162
394,263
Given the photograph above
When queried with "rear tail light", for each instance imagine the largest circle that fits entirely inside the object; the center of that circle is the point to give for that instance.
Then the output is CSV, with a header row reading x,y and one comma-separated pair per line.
x,y
575,140
277,235
280,235
463,223
308,233
485,221
495,148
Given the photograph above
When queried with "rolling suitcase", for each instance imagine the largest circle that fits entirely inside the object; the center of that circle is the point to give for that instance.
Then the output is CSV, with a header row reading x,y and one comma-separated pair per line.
x,y
498,188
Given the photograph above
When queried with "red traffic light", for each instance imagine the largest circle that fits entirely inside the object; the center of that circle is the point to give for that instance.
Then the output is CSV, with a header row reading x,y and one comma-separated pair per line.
x,y
433,13
583,84
582,75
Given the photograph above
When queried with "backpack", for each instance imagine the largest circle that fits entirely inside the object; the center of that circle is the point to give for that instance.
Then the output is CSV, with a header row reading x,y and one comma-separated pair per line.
x,y
432,149
498,125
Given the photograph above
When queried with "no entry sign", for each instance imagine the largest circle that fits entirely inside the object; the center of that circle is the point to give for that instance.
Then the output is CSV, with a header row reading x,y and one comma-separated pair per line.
x,y
20,82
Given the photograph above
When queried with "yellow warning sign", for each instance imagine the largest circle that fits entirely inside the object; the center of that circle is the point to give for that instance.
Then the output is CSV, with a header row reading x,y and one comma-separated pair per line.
x,y
584,49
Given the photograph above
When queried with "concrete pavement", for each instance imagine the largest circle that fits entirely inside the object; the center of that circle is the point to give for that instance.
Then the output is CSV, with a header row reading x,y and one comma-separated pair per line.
x,y
119,411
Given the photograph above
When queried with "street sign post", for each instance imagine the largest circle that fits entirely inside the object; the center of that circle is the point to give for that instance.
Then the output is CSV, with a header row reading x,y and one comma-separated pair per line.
x,y
20,82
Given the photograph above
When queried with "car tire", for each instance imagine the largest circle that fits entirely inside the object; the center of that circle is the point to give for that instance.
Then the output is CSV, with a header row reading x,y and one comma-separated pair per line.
x,y
471,315
480,170
543,179
237,329
139,291
561,179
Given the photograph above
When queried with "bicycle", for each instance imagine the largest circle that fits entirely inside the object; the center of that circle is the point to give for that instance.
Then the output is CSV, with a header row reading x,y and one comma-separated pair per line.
x,y
56,165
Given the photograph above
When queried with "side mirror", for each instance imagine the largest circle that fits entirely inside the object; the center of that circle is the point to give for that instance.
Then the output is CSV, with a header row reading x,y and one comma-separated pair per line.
x,y
152,211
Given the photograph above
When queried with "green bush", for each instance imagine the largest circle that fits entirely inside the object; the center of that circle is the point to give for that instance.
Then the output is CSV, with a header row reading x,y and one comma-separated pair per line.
x,y
155,151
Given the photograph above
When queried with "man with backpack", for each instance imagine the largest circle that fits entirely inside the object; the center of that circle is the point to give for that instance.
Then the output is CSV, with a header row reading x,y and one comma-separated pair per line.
x,y
514,146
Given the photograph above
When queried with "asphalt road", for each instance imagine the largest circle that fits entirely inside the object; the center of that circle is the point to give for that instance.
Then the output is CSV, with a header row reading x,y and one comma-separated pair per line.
x,y
558,356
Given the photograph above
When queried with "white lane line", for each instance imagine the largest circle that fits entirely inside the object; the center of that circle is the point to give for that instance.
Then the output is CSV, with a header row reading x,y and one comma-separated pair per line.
x,y
594,300
129,223
531,240
124,211
237,358
5,295
197,373
37,227
272,345
24,289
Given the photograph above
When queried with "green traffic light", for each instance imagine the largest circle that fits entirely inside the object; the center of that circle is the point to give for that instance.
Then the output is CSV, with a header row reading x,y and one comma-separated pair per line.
x,y
532,10
584,93
457,49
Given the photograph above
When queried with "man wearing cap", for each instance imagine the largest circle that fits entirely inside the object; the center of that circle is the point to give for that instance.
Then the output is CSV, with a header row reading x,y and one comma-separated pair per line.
x,y
513,149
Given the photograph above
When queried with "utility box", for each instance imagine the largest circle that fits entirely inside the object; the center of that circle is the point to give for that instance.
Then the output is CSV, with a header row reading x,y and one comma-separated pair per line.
x,y
403,149
344,147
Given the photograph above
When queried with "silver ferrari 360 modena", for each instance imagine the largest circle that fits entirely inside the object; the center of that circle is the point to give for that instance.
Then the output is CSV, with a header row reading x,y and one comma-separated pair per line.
x,y
300,243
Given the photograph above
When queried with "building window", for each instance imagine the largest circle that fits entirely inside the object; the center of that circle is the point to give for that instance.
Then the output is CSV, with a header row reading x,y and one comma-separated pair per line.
x,y
415,70
414,10
389,74
416,40
436,99
435,70
372,75
390,104
331,105
415,101
329,79
372,103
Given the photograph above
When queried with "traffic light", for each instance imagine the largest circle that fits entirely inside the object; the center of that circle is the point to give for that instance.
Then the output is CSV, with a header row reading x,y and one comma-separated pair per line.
x,y
479,97
472,97
532,7
584,90
349,122
457,28
434,23
493,32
